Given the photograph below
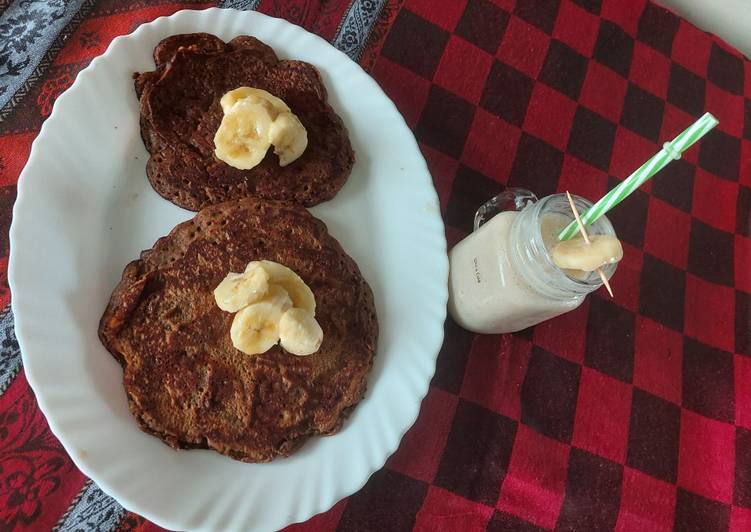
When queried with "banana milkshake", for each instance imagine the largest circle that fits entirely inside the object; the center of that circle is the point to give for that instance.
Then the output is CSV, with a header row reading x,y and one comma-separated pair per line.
x,y
512,272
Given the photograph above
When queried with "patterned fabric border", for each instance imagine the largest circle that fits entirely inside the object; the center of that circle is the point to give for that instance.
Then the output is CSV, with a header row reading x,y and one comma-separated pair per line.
x,y
356,27
10,353
92,510
243,5
27,29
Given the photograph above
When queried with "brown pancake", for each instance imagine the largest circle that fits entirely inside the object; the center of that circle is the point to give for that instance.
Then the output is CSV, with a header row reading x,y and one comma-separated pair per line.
x,y
180,113
185,381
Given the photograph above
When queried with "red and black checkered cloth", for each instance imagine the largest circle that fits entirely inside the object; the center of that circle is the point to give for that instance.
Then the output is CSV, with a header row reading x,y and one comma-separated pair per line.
x,y
632,413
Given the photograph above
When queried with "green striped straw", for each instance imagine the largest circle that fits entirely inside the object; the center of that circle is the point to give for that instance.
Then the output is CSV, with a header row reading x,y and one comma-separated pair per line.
x,y
670,151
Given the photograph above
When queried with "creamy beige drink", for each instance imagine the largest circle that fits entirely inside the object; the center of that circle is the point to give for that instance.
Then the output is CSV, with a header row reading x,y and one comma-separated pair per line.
x,y
487,293
512,272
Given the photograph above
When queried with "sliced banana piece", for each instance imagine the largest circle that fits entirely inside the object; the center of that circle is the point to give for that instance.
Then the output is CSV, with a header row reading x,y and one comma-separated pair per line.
x,y
279,297
255,329
299,332
243,139
576,254
302,296
255,95
254,119
273,304
289,138
239,290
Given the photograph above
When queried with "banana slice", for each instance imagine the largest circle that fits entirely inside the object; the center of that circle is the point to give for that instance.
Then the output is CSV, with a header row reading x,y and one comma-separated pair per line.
x,y
242,139
289,138
302,296
278,296
255,329
576,254
299,332
273,304
239,290
253,120
255,95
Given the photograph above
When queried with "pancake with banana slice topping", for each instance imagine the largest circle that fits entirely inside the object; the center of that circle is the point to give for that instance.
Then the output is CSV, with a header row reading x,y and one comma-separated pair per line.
x,y
246,330
224,121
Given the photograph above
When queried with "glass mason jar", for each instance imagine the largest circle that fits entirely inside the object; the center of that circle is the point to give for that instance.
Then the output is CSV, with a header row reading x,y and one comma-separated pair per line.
x,y
502,277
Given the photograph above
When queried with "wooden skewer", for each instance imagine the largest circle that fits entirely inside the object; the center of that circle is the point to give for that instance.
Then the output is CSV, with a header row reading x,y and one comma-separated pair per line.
x,y
586,239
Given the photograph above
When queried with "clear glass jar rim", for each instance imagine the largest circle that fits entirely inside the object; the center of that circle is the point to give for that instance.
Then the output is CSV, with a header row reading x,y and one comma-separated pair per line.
x,y
555,280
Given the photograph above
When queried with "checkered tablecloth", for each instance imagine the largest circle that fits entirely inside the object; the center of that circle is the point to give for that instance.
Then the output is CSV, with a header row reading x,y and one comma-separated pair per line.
x,y
628,414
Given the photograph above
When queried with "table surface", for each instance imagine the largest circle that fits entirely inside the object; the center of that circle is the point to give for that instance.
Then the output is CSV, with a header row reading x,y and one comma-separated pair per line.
x,y
632,413
729,19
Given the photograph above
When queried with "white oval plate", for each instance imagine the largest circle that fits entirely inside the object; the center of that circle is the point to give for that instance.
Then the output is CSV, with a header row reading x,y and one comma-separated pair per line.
x,y
85,209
